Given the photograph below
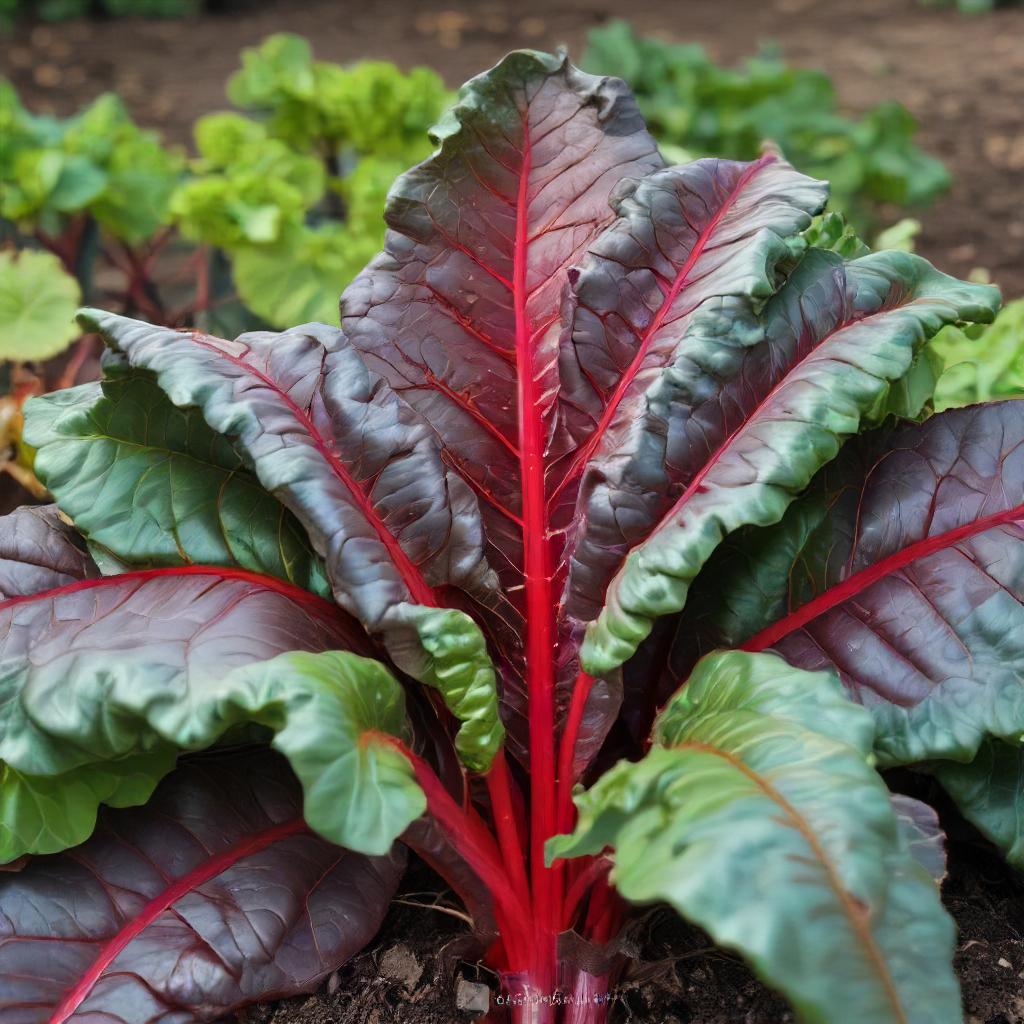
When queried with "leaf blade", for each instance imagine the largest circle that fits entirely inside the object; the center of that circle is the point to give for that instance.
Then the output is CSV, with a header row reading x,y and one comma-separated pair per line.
x,y
841,334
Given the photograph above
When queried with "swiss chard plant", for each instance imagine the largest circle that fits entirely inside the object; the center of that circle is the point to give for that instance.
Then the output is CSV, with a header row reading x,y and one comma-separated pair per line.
x,y
589,422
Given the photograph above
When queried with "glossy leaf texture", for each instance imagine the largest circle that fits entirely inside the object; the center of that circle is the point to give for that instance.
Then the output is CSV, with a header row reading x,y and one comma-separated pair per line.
x,y
902,567
703,240
85,668
758,816
213,896
836,338
461,312
397,530
154,486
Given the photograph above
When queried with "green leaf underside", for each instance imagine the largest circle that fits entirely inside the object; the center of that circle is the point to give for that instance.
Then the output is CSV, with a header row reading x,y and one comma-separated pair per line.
x,y
40,814
781,841
341,451
99,680
155,486
851,331
990,792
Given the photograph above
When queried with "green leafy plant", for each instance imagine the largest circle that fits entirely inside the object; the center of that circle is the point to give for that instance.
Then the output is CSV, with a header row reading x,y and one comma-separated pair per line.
x,y
696,108
94,190
294,194
589,422
982,362
63,10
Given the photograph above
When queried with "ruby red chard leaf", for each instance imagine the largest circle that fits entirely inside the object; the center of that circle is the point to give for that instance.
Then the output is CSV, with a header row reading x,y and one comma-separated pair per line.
x,y
684,237
214,896
837,336
153,485
39,551
903,568
687,240
461,312
156,639
838,914
358,468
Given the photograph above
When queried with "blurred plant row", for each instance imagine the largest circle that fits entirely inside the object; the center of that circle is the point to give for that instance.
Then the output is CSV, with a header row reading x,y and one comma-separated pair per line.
x,y
63,10
282,202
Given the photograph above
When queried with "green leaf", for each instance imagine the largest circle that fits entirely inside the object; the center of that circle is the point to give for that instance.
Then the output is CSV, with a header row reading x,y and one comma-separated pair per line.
x,y
780,840
153,485
447,650
299,278
990,793
282,61
982,363
842,334
329,712
50,814
38,300
98,678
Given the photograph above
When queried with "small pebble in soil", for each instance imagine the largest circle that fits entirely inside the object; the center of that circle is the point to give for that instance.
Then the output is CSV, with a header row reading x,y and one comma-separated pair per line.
x,y
472,998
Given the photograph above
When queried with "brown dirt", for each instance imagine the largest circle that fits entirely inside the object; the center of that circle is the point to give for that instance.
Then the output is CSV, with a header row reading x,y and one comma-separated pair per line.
x,y
411,973
963,77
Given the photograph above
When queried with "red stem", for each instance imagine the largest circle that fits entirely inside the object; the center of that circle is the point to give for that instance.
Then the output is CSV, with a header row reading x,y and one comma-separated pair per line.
x,y
499,786
595,871
540,640
567,751
476,845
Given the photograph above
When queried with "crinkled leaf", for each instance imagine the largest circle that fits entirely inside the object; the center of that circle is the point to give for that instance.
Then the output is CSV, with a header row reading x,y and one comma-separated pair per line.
x,y
837,336
902,567
779,840
461,311
355,464
100,676
447,651
213,896
38,299
154,486
707,235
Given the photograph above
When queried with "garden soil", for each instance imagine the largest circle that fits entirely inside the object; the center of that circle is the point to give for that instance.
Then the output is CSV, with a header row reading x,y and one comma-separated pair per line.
x,y
413,974
962,77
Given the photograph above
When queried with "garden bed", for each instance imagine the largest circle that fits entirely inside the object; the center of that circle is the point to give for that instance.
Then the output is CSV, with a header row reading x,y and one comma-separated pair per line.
x,y
411,973
962,77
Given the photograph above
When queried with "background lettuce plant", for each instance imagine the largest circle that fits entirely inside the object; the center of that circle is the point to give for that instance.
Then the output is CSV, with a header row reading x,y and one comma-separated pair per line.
x,y
697,108
293,194
589,421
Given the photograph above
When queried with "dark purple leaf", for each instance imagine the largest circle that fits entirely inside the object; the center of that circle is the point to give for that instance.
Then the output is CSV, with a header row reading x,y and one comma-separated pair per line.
x,y
213,896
